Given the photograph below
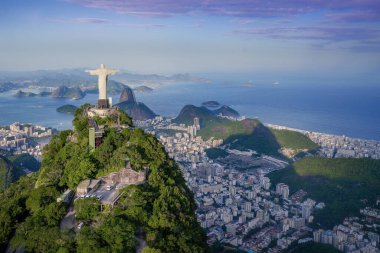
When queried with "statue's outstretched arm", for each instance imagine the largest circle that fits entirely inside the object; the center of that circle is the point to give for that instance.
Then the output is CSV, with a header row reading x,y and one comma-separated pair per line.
x,y
111,71
93,72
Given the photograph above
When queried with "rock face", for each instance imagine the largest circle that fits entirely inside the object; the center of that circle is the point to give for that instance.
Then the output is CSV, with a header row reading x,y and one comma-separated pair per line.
x,y
127,95
227,112
66,92
138,111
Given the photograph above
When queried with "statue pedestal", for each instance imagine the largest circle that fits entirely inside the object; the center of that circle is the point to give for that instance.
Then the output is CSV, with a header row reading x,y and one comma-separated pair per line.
x,y
101,112
103,104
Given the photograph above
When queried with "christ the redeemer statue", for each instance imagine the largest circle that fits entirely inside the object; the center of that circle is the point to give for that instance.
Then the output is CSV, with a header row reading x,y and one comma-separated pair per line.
x,y
102,74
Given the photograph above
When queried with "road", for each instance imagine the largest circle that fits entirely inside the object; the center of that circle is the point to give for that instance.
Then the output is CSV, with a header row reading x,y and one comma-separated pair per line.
x,y
69,219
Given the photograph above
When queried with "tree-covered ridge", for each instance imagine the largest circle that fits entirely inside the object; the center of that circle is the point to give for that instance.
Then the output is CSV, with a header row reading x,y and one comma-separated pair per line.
x,y
293,140
245,134
332,181
343,169
5,172
13,167
160,212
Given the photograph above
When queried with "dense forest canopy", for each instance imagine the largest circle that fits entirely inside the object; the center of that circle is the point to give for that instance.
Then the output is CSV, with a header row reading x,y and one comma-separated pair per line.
x,y
161,211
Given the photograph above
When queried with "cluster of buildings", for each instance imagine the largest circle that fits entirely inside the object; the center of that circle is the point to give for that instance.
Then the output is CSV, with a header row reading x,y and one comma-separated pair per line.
x,y
106,189
185,147
182,144
354,235
335,146
235,205
160,124
240,207
16,138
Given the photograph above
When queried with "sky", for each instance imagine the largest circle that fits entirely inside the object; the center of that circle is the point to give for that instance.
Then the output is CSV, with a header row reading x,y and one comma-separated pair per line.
x,y
336,40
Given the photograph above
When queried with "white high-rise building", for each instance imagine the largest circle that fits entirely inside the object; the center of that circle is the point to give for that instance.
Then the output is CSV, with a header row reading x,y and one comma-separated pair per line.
x,y
196,123
283,190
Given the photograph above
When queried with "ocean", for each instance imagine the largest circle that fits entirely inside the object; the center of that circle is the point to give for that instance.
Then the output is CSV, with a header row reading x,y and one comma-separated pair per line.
x,y
352,111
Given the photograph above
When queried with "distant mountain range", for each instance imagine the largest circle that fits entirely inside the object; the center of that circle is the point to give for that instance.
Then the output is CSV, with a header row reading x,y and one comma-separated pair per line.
x,y
79,78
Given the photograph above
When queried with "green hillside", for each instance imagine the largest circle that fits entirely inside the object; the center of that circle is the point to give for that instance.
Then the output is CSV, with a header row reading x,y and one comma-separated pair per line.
x,y
160,211
5,172
293,140
189,112
340,183
21,162
214,153
12,168
244,134
259,138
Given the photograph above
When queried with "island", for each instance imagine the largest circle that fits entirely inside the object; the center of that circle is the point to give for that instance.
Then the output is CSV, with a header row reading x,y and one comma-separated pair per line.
x,y
142,88
44,94
21,94
68,92
68,109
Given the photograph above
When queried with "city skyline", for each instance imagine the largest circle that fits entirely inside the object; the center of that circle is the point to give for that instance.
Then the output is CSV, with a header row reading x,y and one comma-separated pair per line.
x,y
336,39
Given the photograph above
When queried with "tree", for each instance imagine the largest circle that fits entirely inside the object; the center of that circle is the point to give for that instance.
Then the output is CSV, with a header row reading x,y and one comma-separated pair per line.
x,y
41,197
87,209
119,234
89,241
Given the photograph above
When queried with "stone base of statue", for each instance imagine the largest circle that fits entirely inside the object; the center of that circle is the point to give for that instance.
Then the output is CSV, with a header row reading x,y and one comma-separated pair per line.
x,y
103,104
101,112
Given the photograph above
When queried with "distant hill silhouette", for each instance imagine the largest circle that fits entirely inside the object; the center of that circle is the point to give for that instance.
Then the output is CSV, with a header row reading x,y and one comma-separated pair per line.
x,y
137,110
69,109
227,112
66,92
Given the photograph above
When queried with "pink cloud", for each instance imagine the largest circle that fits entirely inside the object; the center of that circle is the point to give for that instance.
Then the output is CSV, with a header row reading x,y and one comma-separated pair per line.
x,y
240,8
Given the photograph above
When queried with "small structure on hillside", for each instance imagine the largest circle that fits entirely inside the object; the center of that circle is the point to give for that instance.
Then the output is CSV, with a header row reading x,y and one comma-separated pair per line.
x,y
66,197
126,176
88,185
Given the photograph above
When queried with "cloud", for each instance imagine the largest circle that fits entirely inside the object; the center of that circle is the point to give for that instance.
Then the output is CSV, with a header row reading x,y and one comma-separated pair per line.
x,y
243,21
133,25
237,8
96,21
323,33
92,20
356,16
